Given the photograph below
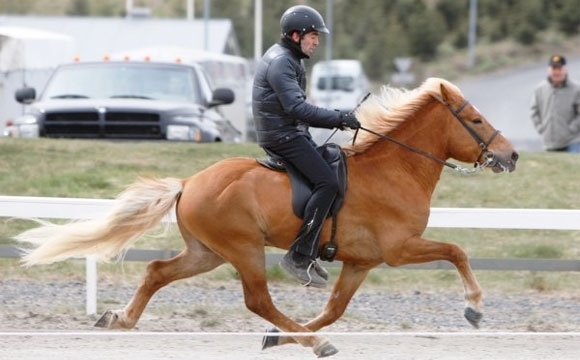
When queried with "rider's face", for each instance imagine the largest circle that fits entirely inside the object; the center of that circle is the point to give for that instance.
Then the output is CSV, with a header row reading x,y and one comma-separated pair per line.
x,y
310,42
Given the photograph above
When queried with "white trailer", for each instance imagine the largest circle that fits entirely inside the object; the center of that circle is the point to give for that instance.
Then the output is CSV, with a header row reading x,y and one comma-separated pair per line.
x,y
27,58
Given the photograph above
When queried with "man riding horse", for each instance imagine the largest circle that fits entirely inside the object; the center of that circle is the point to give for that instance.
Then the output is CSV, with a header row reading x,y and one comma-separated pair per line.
x,y
226,213
282,117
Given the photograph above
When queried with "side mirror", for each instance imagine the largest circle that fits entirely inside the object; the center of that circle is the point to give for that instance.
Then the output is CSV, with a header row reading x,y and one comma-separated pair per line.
x,y
222,96
25,95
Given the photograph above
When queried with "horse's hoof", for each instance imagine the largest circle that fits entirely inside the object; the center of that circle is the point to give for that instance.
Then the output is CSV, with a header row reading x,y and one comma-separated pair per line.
x,y
269,341
473,317
325,349
105,320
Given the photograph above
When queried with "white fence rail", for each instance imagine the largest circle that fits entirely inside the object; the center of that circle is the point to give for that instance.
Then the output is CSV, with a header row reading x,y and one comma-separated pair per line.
x,y
483,218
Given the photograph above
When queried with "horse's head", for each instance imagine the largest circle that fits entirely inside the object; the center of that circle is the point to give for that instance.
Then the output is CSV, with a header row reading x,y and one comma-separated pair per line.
x,y
474,138
436,121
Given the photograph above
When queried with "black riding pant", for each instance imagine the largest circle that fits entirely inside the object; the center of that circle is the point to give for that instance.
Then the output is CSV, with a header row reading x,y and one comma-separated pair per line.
x,y
301,153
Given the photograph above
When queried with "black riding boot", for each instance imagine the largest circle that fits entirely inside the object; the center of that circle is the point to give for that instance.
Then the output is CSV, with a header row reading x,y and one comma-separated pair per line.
x,y
300,261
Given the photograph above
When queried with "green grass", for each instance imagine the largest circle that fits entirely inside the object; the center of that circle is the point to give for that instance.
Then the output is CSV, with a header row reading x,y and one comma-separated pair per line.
x,y
102,169
541,180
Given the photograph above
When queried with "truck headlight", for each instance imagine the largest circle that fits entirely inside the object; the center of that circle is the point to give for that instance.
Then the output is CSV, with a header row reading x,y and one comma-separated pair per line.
x,y
183,133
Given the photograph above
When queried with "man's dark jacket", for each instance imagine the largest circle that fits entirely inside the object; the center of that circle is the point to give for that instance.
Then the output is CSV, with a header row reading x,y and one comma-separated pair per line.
x,y
279,97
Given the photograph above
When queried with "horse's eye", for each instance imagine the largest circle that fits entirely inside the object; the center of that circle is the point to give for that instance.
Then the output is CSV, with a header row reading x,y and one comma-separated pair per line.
x,y
477,121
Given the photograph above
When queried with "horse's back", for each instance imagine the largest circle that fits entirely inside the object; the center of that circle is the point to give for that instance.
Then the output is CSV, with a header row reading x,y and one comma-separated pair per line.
x,y
217,178
233,195
228,168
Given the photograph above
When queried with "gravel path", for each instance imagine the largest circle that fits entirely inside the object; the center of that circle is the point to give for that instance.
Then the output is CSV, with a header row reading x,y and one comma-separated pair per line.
x,y
546,325
218,307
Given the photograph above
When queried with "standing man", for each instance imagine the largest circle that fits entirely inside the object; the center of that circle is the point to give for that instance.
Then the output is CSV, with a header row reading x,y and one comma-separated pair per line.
x,y
282,117
555,108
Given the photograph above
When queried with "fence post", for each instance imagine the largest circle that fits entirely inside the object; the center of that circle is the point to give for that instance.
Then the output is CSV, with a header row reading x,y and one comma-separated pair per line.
x,y
91,278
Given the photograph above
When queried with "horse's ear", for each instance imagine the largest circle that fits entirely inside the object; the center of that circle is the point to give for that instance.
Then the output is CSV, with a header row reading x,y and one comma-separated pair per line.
x,y
445,97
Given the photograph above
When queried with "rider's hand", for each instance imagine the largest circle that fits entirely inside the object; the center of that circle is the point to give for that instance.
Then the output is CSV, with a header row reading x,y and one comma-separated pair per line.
x,y
348,120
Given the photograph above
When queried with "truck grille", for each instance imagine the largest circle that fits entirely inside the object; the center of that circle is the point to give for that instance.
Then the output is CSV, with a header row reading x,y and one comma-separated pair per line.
x,y
92,124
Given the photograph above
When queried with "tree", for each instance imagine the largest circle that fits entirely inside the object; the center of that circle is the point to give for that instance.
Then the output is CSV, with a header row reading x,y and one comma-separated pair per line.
x,y
568,17
454,12
530,19
425,34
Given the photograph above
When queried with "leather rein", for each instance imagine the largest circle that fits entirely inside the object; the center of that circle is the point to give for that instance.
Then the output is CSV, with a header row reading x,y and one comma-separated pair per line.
x,y
457,114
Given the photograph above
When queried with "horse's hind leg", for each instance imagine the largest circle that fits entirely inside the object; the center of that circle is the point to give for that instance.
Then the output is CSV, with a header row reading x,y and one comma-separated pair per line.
x,y
194,260
418,250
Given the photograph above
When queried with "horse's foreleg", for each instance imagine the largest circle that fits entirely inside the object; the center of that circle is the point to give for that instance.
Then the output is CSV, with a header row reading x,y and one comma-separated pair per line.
x,y
349,280
473,293
251,269
418,250
195,260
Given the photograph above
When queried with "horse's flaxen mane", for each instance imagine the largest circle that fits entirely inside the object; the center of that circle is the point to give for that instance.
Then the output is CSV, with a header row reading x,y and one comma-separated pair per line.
x,y
383,112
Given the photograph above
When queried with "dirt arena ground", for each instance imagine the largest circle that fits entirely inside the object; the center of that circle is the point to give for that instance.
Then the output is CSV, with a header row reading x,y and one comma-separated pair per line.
x,y
46,320
240,346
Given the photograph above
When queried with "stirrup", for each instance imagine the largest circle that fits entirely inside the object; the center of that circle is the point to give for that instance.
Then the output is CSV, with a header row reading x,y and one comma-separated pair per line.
x,y
318,269
307,274
310,268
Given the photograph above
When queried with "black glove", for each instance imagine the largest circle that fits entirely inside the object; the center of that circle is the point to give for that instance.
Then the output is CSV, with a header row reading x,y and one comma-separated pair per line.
x,y
348,120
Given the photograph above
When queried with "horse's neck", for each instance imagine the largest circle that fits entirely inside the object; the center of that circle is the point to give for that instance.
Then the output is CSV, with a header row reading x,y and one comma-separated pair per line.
x,y
386,159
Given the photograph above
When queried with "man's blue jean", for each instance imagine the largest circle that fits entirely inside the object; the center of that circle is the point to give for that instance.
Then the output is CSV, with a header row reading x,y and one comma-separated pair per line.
x,y
573,148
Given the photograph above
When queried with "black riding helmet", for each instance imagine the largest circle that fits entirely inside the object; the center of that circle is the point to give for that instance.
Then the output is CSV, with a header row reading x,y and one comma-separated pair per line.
x,y
303,19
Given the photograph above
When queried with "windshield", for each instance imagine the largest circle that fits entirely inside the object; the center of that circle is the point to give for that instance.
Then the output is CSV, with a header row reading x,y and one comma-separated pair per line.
x,y
110,80
344,83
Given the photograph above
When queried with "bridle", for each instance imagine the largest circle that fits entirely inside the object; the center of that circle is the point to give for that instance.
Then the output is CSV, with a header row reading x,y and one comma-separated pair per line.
x,y
482,144
489,157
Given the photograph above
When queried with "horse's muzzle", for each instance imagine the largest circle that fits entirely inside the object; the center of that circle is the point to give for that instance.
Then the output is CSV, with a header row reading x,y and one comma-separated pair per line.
x,y
501,162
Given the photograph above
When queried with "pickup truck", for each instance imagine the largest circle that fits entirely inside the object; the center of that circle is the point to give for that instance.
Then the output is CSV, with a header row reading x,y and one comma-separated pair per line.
x,y
126,100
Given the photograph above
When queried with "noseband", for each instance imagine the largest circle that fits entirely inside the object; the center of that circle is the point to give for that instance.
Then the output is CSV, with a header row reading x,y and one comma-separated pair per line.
x,y
489,157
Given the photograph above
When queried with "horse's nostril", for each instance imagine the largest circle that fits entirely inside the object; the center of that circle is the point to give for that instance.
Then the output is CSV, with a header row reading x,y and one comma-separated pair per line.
x,y
515,156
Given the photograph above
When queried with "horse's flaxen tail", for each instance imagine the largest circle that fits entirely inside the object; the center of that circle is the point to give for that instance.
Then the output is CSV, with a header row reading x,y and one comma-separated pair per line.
x,y
138,209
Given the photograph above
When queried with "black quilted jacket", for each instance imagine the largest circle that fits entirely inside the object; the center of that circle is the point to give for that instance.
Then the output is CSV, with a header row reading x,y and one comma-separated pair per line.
x,y
279,97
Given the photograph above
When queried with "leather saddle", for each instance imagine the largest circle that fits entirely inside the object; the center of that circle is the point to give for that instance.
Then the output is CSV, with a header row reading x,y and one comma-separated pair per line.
x,y
301,187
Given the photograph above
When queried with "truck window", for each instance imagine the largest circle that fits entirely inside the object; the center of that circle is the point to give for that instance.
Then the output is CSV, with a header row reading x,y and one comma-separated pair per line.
x,y
125,81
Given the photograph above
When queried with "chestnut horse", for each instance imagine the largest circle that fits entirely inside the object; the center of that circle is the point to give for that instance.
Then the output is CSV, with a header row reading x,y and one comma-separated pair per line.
x,y
230,211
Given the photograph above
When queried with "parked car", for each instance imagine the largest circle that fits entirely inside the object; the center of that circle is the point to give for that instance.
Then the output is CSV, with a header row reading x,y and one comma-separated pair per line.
x,y
338,84
127,100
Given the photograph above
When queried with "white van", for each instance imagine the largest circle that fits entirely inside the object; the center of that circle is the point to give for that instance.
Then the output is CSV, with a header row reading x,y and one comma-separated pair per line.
x,y
338,84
